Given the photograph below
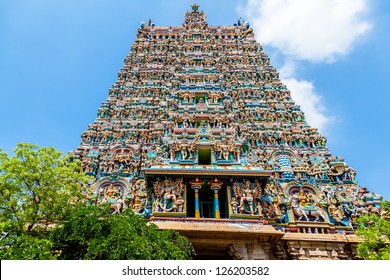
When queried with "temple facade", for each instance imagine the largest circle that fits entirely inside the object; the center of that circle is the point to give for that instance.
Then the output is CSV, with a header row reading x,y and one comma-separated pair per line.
x,y
199,134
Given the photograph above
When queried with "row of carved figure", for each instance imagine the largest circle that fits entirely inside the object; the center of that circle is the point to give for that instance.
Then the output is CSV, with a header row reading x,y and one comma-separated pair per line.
x,y
337,204
167,46
232,78
258,108
257,137
270,93
298,162
260,118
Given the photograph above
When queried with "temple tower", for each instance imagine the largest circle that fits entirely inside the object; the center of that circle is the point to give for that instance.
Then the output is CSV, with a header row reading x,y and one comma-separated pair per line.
x,y
199,134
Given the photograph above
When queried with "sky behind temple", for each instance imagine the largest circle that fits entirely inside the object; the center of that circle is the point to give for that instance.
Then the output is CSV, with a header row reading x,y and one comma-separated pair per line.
x,y
59,58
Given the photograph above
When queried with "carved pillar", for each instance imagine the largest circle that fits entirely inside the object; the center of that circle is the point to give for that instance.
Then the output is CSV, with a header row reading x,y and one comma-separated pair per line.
x,y
216,204
196,185
249,250
234,252
216,185
267,251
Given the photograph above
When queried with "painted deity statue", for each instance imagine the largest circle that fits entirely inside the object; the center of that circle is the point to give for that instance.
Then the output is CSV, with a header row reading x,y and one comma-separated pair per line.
x,y
304,205
169,195
304,200
224,150
113,196
247,195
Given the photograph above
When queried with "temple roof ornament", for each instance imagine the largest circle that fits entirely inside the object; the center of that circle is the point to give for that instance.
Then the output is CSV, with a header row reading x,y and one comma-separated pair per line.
x,y
195,7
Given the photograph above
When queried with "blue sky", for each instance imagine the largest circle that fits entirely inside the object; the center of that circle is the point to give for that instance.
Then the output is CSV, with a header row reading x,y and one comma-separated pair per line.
x,y
59,58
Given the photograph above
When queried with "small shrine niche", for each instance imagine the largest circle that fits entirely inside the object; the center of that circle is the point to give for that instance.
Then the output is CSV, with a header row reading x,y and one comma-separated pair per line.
x,y
204,156
305,206
111,193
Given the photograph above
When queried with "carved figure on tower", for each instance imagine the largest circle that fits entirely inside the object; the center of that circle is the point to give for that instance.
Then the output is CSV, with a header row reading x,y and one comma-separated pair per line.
x,y
168,195
304,205
248,195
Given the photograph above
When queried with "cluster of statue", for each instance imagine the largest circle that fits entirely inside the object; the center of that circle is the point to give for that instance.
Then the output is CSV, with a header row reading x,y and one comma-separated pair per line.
x,y
168,195
120,195
246,198
184,88
110,194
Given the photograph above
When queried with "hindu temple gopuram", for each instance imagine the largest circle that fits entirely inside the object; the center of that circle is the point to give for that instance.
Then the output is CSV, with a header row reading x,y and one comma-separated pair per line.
x,y
199,134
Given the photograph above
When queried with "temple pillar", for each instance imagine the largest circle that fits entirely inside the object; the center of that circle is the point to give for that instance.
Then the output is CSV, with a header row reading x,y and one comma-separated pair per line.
x,y
196,185
197,213
216,185
249,250
216,204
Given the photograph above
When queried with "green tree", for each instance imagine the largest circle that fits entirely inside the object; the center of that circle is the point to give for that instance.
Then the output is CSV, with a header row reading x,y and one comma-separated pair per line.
x,y
41,185
37,185
92,233
375,232
28,247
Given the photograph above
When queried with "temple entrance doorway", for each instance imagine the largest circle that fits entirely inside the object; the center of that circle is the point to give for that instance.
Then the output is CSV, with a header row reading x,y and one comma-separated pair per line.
x,y
206,202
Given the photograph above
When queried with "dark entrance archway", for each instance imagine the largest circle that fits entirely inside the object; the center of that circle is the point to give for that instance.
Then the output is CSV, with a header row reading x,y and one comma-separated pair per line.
x,y
206,201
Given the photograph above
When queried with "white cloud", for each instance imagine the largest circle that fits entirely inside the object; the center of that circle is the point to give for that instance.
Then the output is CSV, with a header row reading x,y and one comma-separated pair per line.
x,y
305,95
314,30
307,30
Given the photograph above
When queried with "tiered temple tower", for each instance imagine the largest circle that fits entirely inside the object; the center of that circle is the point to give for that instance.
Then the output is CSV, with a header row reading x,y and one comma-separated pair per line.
x,y
200,135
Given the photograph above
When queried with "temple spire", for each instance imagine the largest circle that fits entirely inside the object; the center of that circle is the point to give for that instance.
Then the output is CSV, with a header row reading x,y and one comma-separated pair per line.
x,y
198,126
195,19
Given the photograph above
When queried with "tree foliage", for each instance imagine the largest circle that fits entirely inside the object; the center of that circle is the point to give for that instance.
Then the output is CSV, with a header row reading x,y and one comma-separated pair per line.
x,y
41,185
375,232
29,247
92,233
37,184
